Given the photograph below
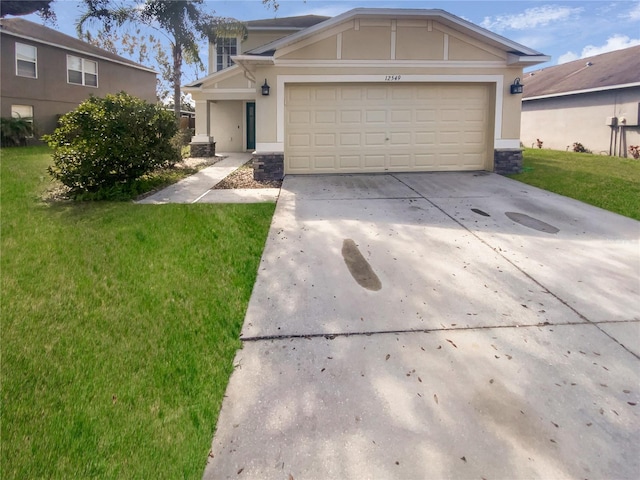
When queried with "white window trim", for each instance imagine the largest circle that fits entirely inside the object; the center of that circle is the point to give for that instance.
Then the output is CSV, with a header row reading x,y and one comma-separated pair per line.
x,y
31,119
83,84
215,51
35,60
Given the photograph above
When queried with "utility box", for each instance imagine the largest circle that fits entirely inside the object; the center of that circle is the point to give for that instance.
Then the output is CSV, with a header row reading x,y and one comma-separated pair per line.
x,y
611,121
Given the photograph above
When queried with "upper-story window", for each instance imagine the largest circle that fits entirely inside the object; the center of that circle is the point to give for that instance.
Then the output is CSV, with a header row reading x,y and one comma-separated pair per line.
x,y
82,71
225,48
26,60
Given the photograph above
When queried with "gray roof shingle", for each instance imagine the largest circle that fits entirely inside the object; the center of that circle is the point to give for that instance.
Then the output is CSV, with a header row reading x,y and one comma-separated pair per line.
x,y
600,71
300,23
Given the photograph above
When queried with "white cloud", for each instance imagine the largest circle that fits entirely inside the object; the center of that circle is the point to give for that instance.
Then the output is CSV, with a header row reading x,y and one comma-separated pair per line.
x,y
568,57
615,42
634,13
531,18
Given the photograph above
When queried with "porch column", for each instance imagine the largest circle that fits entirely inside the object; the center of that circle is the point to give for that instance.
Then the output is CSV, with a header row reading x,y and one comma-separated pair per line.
x,y
202,144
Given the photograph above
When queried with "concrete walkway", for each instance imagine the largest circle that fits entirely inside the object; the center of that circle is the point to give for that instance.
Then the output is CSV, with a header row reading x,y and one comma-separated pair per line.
x,y
198,188
431,326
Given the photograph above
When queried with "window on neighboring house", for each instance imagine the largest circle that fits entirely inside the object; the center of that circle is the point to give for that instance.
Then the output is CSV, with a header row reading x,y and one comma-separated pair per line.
x,y
26,60
82,71
225,48
23,111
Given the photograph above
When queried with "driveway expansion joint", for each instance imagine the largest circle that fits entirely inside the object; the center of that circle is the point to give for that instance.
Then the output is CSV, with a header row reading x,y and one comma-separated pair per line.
x,y
332,336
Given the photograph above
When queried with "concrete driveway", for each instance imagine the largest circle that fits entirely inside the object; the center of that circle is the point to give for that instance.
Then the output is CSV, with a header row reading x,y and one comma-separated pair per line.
x,y
444,325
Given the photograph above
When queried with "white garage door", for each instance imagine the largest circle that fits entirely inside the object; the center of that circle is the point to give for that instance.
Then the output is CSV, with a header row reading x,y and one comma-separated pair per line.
x,y
386,127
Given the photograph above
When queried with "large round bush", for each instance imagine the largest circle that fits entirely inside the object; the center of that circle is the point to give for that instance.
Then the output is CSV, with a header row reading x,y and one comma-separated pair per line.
x,y
110,142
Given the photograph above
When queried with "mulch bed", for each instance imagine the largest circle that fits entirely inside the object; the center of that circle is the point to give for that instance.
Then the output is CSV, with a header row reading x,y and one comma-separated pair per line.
x,y
243,178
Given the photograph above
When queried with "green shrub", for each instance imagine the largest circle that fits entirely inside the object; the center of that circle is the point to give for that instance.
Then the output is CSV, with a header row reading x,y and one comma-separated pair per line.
x,y
108,143
14,131
579,148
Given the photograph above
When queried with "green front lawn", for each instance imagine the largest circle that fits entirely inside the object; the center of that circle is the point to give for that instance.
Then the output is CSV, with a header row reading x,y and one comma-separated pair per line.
x,y
119,326
612,183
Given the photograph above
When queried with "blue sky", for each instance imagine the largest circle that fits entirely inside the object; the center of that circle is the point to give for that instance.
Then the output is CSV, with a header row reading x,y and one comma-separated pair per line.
x,y
565,30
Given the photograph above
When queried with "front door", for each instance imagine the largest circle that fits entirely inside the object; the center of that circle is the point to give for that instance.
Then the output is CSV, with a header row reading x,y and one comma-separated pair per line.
x,y
251,125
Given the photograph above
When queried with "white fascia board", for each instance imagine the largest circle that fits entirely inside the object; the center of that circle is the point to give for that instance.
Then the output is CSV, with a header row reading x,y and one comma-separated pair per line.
x,y
515,60
587,90
213,77
81,52
248,61
252,60
390,64
274,29
399,13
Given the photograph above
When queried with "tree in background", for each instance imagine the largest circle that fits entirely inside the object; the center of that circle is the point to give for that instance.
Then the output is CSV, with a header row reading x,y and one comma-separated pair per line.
x,y
182,22
140,47
41,7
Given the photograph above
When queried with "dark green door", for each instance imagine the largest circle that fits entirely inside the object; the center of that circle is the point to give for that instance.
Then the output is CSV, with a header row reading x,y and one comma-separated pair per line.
x,y
251,126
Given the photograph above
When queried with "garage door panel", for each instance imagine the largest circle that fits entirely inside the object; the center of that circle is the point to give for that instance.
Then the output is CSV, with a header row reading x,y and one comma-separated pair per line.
x,y
351,94
387,127
401,139
376,116
325,94
429,115
376,93
349,162
325,162
374,161
375,139
351,116
349,140
425,138
300,140
324,140
400,161
299,162
325,117
424,160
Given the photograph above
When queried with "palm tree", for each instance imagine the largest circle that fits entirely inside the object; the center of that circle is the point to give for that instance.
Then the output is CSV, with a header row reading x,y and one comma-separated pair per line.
x,y
182,22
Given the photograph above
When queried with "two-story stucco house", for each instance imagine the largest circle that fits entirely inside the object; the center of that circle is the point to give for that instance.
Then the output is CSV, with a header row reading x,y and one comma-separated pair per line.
x,y
46,73
371,90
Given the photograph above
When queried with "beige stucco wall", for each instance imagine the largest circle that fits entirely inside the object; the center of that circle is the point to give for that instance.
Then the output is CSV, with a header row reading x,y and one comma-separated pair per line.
x,y
416,50
51,95
561,121
227,125
266,107
257,39
431,44
417,40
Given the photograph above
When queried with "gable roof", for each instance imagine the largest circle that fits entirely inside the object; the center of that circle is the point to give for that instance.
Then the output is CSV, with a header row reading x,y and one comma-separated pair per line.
x,y
618,69
286,23
21,28
518,51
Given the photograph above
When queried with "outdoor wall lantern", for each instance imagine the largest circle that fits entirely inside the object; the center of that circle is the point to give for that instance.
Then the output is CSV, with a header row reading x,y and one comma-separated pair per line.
x,y
265,88
516,87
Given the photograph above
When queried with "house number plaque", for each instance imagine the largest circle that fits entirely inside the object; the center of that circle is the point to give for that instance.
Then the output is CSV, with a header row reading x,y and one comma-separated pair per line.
x,y
392,78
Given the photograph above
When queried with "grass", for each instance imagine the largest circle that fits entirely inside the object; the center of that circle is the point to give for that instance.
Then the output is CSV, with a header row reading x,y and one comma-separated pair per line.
x,y
611,183
119,325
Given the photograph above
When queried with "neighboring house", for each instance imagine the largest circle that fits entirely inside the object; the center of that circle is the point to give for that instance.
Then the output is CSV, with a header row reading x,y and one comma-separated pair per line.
x,y
594,101
371,90
46,73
